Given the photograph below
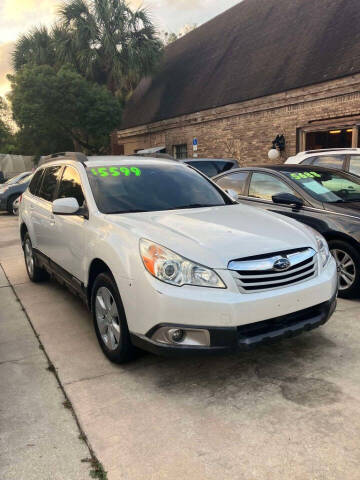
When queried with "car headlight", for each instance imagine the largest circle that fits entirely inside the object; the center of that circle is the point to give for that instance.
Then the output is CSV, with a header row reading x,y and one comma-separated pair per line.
x,y
169,267
323,249
322,246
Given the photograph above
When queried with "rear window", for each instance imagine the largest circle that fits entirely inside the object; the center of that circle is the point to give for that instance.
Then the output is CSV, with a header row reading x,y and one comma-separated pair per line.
x,y
147,188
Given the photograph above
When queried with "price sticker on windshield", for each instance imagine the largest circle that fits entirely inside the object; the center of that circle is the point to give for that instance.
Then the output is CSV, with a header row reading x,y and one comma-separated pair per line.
x,y
302,175
116,171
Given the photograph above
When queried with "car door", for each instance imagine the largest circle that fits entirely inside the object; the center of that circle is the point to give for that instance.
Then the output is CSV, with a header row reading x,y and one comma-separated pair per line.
x,y
264,185
68,248
41,209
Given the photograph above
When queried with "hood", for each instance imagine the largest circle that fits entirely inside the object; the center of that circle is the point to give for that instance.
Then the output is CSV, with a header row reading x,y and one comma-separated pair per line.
x,y
216,235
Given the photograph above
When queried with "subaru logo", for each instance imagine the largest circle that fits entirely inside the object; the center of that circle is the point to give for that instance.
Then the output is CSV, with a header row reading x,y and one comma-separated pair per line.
x,y
281,265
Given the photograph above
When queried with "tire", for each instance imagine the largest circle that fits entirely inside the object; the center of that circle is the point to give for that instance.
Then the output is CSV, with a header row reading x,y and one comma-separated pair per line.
x,y
348,261
35,273
110,320
10,202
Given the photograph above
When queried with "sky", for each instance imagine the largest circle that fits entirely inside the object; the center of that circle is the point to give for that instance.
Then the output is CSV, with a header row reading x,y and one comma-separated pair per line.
x,y
19,16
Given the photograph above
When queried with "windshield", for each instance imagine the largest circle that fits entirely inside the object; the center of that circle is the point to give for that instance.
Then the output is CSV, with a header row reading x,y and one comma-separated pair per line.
x,y
25,179
15,179
149,188
327,187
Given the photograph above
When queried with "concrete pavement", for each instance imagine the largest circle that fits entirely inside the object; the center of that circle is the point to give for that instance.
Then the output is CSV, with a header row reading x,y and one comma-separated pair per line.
x,y
39,438
290,411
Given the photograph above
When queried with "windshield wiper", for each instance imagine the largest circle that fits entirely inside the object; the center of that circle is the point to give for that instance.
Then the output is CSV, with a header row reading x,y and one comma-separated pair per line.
x,y
126,211
197,205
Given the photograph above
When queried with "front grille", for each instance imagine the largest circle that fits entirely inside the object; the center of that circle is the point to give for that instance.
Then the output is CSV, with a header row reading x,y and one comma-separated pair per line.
x,y
256,274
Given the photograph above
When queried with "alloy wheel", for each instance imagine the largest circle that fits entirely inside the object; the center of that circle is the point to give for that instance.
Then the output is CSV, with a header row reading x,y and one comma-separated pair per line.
x,y
29,257
346,268
107,318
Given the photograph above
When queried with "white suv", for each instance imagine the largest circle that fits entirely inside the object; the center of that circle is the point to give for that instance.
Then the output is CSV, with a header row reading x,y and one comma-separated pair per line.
x,y
347,159
167,261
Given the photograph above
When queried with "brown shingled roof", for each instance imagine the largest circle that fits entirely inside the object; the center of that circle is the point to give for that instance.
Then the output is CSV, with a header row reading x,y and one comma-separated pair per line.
x,y
257,48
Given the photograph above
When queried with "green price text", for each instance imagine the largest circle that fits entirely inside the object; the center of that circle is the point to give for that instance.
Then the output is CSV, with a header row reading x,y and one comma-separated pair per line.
x,y
301,175
116,171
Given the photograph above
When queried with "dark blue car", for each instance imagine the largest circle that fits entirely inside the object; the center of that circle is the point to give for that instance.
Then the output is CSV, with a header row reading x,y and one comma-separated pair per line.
x,y
11,190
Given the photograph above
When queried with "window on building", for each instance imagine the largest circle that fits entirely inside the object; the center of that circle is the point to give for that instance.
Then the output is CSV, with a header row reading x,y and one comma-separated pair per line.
x,y
234,181
332,138
49,183
264,186
70,186
180,151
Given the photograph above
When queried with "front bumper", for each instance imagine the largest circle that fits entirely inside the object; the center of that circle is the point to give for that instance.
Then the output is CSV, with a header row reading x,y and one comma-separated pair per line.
x,y
244,337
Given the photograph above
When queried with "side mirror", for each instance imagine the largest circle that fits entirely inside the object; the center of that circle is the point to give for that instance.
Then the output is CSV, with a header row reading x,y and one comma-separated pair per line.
x,y
65,206
234,195
288,199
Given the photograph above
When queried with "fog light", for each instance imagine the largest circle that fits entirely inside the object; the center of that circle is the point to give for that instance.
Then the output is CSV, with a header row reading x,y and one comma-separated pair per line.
x,y
170,335
176,335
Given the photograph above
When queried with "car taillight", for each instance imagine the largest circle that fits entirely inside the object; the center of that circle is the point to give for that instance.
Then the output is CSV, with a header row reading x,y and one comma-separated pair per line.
x,y
20,198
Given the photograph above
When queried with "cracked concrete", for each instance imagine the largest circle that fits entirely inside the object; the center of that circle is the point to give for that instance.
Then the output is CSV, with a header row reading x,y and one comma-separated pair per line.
x,y
38,436
290,411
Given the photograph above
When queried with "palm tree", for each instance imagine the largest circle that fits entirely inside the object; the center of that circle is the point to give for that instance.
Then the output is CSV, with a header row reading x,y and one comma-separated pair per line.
x,y
107,42
35,47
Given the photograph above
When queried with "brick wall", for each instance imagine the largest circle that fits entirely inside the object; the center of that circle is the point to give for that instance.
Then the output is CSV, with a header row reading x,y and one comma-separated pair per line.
x,y
245,131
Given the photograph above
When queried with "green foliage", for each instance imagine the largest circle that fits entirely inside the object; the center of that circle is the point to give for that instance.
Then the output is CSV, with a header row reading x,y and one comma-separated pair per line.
x,y
36,47
71,81
104,40
7,139
59,110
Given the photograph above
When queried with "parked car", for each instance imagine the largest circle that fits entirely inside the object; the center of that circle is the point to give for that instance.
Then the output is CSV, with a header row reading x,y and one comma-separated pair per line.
x,y
16,179
170,269
11,190
325,199
211,166
347,159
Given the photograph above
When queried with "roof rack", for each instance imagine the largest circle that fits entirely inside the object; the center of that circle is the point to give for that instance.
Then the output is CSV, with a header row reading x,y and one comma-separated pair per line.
x,y
76,156
330,150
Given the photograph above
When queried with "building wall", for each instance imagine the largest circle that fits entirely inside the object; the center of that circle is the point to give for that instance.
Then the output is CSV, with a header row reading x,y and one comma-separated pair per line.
x,y
245,131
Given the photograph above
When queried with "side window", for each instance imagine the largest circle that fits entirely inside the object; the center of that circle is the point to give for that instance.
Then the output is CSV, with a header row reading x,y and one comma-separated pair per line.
x,y
264,186
308,161
35,182
331,161
234,181
49,182
70,185
354,166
